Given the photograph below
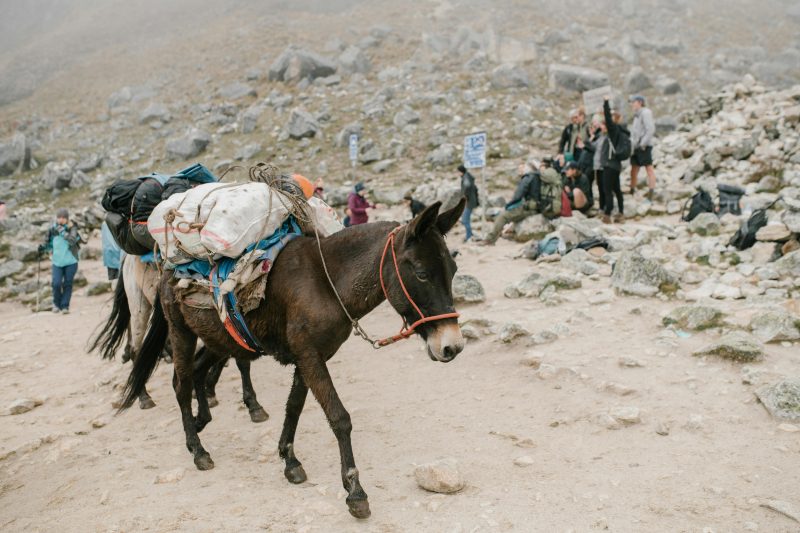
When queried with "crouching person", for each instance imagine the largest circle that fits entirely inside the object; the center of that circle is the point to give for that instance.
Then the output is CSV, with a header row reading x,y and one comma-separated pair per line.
x,y
63,242
578,188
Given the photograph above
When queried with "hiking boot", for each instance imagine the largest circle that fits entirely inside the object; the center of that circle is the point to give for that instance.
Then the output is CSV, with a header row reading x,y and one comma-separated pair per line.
x,y
55,309
619,218
606,219
65,311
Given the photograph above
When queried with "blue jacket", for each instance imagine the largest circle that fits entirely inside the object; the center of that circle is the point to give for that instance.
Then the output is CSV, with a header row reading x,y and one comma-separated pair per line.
x,y
111,251
64,242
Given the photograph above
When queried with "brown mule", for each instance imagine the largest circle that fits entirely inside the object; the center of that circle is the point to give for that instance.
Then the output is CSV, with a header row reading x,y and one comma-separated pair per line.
x,y
300,322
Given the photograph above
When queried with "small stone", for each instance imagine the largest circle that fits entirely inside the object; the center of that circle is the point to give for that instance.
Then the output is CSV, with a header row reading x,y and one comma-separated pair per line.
x,y
510,332
524,461
171,476
705,224
629,362
789,428
694,317
467,289
737,346
533,360
695,422
785,508
606,420
615,388
662,429
443,476
627,416
23,405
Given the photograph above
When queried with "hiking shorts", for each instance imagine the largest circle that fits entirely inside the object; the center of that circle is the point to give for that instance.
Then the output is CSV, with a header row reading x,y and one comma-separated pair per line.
x,y
642,157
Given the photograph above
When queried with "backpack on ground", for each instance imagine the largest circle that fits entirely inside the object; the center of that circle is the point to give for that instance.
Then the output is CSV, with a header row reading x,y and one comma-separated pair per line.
x,y
745,236
550,193
729,199
622,149
700,202
592,242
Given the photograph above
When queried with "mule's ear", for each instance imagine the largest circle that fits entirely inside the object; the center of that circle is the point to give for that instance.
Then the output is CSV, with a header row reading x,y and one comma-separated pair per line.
x,y
424,221
448,219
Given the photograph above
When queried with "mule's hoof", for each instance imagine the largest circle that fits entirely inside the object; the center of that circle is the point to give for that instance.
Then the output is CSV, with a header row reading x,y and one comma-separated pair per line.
x,y
212,401
259,415
359,508
295,474
203,462
146,403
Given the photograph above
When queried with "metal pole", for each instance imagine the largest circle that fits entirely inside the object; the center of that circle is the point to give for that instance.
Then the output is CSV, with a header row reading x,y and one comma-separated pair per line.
x,y
38,276
486,193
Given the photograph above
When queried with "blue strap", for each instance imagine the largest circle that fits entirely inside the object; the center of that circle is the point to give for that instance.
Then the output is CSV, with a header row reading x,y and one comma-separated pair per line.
x,y
198,173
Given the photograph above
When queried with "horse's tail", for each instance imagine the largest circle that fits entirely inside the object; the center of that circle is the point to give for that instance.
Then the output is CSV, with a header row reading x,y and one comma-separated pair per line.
x,y
115,328
146,360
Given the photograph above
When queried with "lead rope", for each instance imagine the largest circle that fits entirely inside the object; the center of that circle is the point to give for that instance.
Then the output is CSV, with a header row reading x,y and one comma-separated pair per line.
x,y
357,329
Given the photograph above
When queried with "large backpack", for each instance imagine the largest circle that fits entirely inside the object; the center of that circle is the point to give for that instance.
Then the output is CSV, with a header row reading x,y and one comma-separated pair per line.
x,y
119,196
622,148
745,236
550,193
700,202
729,198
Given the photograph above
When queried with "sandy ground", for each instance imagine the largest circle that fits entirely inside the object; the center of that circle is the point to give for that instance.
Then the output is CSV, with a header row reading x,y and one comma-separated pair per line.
x,y
71,465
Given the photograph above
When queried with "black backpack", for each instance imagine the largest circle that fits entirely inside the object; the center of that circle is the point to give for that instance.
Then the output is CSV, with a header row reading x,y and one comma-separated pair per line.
x,y
700,202
119,196
623,148
729,197
175,185
745,236
146,198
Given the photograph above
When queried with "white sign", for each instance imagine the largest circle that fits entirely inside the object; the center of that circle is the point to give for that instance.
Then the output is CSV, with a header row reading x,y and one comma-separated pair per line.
x,y
353,147
593,100
475,150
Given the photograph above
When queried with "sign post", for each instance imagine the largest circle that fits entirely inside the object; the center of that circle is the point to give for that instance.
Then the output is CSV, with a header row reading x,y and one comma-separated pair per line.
x,y
475,157
353,146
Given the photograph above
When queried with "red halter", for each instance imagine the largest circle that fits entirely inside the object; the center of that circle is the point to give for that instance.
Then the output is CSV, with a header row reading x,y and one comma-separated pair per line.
x,y
405,331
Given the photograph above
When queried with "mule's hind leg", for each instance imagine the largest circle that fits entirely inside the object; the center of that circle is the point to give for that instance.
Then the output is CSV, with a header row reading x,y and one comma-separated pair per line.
x,y
257,413
204,360
211,381
294,406
316,376
183,345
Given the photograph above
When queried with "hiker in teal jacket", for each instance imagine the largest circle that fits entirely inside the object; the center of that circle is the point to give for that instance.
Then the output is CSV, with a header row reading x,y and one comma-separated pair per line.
x,y
62,241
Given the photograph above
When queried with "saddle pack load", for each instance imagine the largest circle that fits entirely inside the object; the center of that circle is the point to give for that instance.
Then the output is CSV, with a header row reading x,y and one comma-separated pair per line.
x,y
128,204
217,220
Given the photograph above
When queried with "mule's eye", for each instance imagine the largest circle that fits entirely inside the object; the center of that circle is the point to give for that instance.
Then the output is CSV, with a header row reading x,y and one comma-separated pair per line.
x,y
422,275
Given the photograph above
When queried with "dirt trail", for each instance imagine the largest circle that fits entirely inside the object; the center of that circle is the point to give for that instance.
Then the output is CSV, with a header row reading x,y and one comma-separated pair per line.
x,y
71,465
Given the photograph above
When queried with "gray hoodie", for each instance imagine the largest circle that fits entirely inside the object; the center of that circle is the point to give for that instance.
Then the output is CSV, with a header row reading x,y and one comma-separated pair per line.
x,y
643,130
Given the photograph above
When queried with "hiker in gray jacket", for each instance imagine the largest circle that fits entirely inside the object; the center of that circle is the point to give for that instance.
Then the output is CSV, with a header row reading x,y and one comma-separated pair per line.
x,y
642,133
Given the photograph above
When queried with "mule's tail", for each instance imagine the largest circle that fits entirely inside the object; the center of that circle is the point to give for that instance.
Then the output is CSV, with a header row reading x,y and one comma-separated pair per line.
x,y
115,328
146,360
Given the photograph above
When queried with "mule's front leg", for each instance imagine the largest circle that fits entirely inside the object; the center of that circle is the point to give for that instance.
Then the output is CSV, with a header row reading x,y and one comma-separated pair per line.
x,y
294,406
316,376
182,381
212,379
257,413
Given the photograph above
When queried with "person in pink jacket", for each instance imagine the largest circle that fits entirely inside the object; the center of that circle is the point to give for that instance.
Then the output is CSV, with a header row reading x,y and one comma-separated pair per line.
x,y
358,204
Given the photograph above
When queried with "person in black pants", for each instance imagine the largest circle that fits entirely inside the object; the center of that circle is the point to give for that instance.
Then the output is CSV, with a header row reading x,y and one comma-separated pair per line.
x,y
613,128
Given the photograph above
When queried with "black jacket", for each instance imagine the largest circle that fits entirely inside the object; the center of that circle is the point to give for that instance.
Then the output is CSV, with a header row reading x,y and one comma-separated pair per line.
x,y
580,181
586,159
528,188
469,190
566,134
417,207
614,131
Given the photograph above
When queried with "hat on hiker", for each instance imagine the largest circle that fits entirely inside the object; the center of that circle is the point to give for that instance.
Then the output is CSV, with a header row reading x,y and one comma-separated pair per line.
x,y
62,213
305,185
461,168
637,98
571,165
360,186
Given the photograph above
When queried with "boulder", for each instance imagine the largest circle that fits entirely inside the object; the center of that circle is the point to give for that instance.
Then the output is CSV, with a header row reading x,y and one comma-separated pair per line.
x,y
342,139
444,156
15,155
443,476
405,116
188,146
533,227
665,125
24,251
579,260
782,399
694,317
637,275
249,119
154,112
23,405
535,284
120,98
354,60
775,325
774,232
97,288
637,81
296,64
369,152
301,124
236,90
737,346
668,86
575,78
508,76
57,176
511,331
467,289
705,224
789,264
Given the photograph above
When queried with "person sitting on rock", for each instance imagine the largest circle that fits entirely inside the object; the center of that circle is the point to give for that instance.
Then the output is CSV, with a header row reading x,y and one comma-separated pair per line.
x,y
415,206
522,204
577,187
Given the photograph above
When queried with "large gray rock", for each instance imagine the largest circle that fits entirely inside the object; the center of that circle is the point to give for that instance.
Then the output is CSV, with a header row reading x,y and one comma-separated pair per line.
x,y
15,155
508,76
535,284
467,289
442,476
154,112
250,118
236,90
782,399
789,264
579,260
705,224
773,232
694,317
369,152
301,124
57,175
637,275
637,81
188,146
120,98
443,156
575,78
775,325
533,227
405,117
295,64
342,139
24,251
446,192
736,346
354,60
9,268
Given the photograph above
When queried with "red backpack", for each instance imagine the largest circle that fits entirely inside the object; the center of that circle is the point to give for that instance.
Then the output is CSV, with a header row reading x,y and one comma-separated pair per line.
x,y
566,209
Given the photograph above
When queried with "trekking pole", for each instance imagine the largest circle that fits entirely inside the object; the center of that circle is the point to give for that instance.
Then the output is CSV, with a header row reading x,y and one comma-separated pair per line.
x,y
38,277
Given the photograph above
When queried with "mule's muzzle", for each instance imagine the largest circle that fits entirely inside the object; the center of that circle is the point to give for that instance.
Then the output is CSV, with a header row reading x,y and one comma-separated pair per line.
x,y
445,342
